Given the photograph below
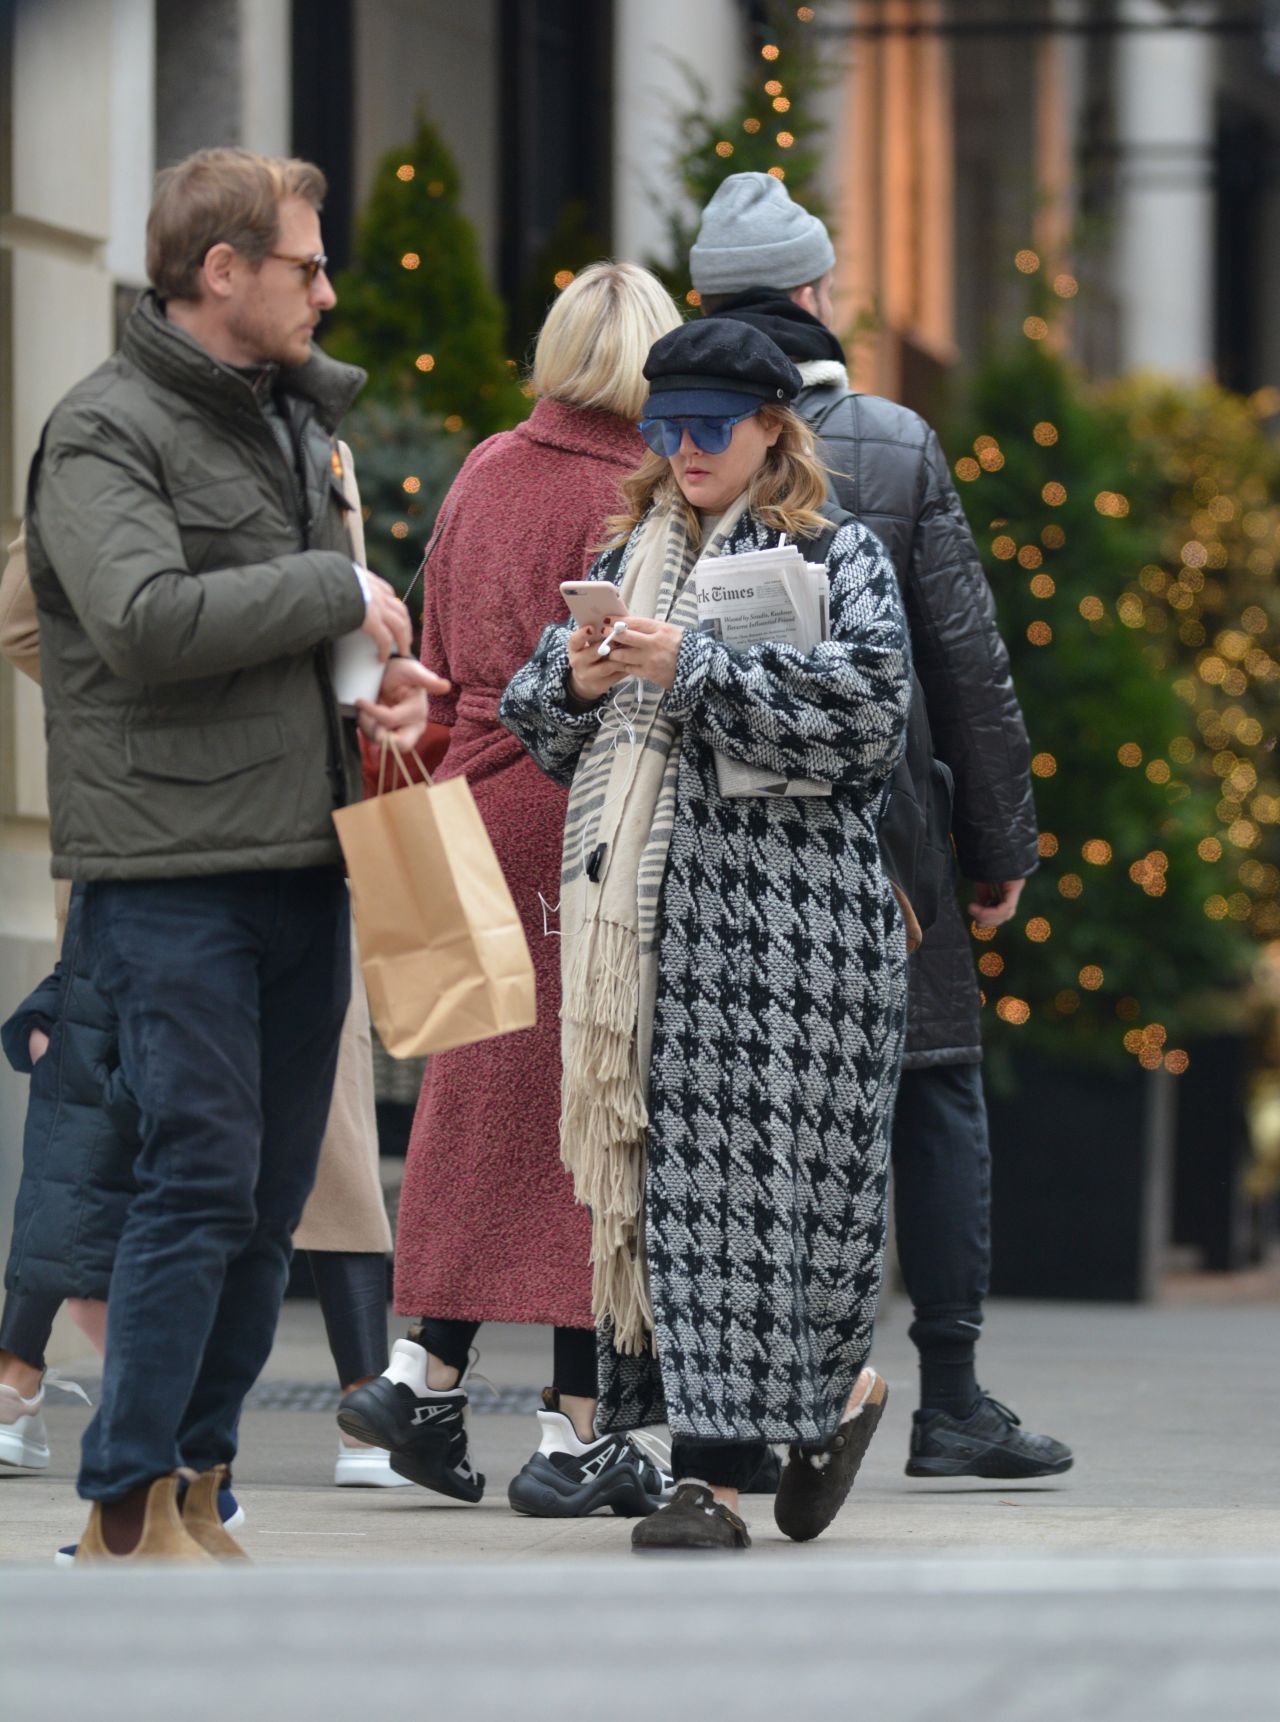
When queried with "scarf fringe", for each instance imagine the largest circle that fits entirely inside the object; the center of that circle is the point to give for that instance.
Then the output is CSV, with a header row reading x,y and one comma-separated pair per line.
x,y
603,1121
622,801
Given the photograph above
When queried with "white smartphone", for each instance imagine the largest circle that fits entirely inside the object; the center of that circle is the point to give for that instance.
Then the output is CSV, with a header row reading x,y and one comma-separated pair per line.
x,y
592,603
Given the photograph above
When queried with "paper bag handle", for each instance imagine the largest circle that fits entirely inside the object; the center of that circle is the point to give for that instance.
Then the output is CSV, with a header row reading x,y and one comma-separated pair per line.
x,y
389,744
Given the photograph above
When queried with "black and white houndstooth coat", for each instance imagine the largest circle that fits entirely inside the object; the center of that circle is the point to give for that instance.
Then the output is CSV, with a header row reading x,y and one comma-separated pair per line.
x,y
779,1020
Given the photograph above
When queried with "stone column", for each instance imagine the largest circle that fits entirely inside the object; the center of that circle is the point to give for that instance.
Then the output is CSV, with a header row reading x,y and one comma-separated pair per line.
x,y
653,40
1164,238
55,326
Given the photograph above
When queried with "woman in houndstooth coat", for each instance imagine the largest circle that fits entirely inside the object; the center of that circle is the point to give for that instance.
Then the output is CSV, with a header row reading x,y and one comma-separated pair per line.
x,y
734,967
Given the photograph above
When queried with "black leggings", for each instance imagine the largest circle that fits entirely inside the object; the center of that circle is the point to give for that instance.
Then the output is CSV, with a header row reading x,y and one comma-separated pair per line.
x,y
573,1368
351,1286
26,1325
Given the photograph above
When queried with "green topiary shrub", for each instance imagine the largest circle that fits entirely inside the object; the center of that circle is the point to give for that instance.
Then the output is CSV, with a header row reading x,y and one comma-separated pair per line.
x,y
1120,940
1207,602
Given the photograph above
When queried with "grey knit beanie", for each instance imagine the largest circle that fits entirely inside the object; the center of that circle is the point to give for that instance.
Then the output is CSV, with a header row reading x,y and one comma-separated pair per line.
x,y
753,235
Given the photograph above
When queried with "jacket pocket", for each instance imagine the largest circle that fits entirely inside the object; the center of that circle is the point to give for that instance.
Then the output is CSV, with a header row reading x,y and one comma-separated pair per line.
x,y
216,523
204,752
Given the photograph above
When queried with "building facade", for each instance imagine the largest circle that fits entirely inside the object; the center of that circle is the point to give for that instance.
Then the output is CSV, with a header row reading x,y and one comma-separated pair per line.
x,y
1134,145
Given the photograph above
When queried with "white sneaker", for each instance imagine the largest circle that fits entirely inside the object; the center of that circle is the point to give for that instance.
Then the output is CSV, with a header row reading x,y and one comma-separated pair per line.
x,y
361,1466
24,1440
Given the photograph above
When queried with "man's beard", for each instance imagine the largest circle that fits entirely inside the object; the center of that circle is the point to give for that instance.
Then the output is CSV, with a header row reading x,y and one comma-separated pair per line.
x,y
253,331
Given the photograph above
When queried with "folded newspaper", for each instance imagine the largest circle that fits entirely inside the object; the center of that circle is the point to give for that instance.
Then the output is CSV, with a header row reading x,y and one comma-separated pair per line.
x,y
757,596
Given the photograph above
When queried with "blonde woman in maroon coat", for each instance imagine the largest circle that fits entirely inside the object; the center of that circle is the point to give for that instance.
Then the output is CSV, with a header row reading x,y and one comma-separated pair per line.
x,y
488,1226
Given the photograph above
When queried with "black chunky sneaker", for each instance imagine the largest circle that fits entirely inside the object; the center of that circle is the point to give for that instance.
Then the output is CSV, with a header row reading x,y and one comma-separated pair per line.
x,y
816,1480
989,1442
425,1432
567,1478
691,1519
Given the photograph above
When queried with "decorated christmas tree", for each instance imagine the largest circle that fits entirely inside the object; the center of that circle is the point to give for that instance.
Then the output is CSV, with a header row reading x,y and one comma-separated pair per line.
x,y
771,127
1127,926
415,309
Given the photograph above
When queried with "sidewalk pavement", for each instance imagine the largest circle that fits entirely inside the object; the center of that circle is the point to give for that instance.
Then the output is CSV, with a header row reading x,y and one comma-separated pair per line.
x,y
1142,1586
1172,1411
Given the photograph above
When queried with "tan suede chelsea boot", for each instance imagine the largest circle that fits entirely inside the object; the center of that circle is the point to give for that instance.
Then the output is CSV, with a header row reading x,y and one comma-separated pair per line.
x,y
202,1520
164,1536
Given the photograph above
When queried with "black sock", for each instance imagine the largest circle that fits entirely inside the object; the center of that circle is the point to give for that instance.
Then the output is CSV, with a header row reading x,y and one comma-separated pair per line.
x,y
948,1381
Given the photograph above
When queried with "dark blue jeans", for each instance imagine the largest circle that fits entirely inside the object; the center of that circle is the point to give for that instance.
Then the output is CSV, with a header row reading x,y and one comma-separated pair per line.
x,y
942,1200
230,993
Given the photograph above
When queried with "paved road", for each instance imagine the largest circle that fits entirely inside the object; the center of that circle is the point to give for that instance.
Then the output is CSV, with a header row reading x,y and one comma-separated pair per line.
x,y
1144,1586
1065,1640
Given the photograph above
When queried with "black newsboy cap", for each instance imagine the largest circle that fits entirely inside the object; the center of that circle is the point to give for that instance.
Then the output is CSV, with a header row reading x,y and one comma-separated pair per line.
x,y
716,367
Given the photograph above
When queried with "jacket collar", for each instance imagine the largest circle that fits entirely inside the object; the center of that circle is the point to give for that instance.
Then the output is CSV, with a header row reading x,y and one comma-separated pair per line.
x,y
816,373
584,430
170,356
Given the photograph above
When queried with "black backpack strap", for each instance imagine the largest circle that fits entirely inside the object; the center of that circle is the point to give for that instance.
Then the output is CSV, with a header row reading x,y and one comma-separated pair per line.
x,y
819,546
816,404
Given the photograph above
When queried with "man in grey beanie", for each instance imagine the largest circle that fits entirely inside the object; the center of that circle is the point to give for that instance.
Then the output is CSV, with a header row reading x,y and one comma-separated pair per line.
x,y
754,235
762,259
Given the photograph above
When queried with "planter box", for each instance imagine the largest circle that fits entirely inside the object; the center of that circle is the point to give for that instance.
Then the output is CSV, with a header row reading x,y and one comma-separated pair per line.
x,y
1212,1210
1082,1180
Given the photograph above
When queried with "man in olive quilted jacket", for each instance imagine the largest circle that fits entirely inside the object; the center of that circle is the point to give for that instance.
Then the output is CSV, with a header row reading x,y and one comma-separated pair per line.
x,y
190,561
762,259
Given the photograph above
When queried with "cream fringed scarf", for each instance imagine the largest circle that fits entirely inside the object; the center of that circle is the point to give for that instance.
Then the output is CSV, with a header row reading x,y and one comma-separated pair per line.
x,y
619,823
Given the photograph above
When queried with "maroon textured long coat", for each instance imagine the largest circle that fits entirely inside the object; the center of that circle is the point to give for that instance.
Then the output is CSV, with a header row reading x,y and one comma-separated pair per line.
x,y
489,1230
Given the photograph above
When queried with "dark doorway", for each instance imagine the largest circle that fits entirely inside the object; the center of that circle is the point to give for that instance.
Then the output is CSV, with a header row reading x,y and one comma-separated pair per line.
x,y
1246,164
556,82
324,111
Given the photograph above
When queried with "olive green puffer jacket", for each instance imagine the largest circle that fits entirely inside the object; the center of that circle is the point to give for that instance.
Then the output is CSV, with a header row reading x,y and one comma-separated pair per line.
x,y
189,587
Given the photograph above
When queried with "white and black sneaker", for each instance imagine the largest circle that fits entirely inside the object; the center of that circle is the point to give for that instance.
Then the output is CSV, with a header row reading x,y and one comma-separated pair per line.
x,y
424,1431
567,1478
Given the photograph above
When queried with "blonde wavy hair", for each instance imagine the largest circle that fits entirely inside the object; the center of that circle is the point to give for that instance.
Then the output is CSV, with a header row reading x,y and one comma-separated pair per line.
x,y
783,495
592,347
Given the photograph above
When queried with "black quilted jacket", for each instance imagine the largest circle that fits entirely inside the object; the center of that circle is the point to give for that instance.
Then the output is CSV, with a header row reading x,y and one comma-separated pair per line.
x,y
889,470
81,1133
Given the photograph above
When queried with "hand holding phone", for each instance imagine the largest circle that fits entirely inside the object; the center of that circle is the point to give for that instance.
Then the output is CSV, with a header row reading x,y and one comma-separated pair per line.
x,y
593,603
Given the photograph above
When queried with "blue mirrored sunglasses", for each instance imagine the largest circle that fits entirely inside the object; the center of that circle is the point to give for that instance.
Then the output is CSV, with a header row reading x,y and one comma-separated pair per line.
x,y
712,435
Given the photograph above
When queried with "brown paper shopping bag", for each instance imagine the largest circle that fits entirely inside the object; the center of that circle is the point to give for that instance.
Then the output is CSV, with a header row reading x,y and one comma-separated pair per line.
x,y
444,955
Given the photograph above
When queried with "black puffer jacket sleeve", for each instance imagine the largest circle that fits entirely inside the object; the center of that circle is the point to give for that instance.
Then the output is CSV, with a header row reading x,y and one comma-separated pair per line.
x,y
963,666
38,1010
